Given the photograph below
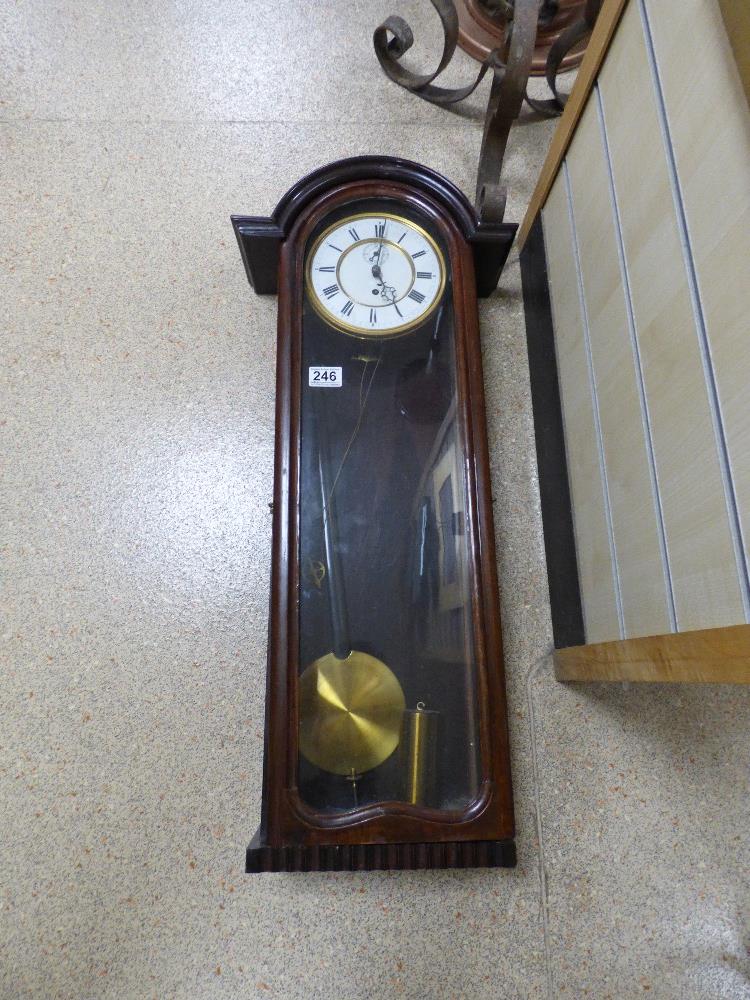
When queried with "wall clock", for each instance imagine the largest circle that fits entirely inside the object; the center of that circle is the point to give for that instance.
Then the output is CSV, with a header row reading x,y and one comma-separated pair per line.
x,y
386,738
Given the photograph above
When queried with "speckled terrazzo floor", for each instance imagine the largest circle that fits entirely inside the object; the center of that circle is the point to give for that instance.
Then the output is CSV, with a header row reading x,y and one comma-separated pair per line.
x,y
137,435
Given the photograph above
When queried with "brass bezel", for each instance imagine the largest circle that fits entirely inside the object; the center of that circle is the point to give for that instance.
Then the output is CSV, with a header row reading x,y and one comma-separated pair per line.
x,y
363,333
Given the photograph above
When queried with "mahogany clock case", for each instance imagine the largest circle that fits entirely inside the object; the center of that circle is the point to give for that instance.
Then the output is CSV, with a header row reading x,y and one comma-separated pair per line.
x,y
313,819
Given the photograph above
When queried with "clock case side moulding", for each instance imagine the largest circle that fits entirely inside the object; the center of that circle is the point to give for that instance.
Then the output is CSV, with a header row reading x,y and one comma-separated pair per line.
x,y
293,837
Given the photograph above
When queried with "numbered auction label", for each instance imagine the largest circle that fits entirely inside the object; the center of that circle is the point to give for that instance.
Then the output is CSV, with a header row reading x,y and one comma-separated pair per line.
x,y
329,378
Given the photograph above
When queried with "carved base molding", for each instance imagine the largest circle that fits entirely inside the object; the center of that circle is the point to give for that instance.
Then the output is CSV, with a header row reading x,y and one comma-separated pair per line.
x,y
382,857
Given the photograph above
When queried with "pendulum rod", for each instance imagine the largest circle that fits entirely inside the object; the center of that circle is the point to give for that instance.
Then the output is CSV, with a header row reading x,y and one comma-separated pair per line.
x,y
339,618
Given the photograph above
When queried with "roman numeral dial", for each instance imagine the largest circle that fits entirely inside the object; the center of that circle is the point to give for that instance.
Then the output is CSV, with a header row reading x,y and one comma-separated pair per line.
x,y
374,275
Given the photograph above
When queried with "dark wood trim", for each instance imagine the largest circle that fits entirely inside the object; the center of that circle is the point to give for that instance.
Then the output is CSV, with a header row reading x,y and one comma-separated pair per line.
x,y
554,490
260,238
288,825
381,857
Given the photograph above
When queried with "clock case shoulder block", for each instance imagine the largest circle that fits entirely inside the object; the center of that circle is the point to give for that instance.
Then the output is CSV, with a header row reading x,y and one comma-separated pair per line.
x,y
260,237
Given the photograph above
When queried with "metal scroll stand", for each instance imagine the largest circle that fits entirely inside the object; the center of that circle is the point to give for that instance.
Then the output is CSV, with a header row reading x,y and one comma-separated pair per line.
x,y
510,66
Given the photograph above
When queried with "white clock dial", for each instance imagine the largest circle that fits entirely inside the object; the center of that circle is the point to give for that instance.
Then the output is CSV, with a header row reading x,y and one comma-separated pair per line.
x,y
375,275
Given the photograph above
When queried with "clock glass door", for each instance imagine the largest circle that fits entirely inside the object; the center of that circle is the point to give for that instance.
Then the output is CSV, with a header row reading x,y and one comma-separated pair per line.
x,y
387,660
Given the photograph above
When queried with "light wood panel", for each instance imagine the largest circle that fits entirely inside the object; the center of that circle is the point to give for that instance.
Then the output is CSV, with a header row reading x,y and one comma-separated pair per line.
x,y
708,656
702,559
596,49
709,124
586,489
643,584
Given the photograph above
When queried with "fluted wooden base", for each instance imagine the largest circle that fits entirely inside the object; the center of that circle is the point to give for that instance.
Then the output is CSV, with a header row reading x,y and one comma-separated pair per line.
x,y
379,857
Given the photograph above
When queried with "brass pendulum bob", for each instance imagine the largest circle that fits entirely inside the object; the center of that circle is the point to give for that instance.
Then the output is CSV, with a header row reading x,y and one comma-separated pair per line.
x,y
350,713
350,703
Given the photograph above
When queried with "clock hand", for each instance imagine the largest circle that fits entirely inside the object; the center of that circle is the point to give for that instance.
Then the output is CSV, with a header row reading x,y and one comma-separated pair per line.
x,y
380,247
376,256
387,292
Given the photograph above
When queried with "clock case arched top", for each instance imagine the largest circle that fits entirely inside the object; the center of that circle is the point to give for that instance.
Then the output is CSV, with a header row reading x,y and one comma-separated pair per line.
x,y
260,237
387,835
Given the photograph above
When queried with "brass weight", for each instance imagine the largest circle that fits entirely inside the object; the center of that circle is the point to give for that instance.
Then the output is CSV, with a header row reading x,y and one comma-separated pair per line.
x,y
418,753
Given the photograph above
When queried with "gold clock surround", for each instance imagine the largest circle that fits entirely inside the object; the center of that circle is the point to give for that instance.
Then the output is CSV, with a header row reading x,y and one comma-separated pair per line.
x,y
358,331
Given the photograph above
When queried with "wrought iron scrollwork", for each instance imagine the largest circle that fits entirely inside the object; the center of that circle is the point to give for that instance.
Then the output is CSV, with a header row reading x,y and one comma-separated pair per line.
x,y
576,33
393,38
509,65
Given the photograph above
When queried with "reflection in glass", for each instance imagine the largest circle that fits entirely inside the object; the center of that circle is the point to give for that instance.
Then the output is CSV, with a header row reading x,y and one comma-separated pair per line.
x,y
387,691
